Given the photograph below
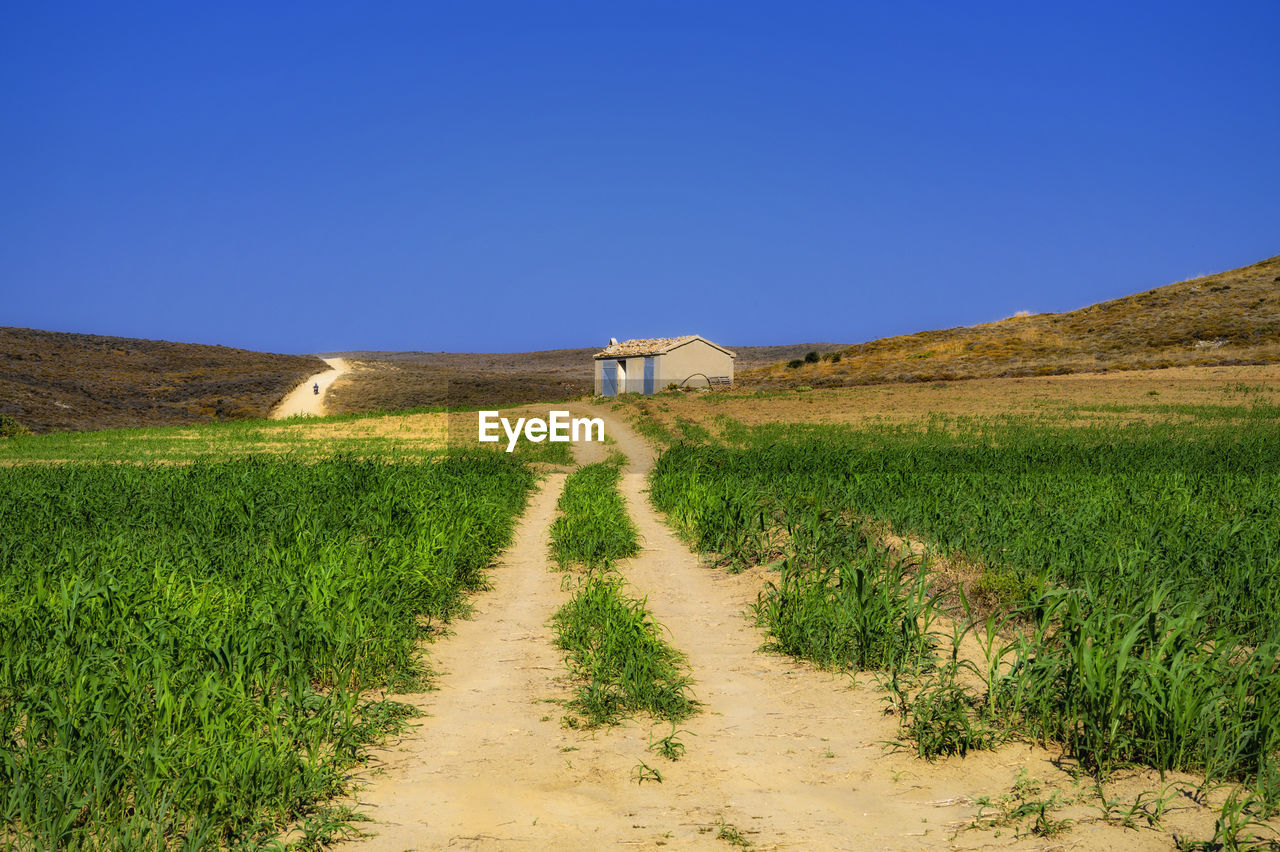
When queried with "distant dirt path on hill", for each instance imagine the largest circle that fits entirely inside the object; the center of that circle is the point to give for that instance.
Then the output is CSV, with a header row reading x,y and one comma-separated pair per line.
x,y
303,400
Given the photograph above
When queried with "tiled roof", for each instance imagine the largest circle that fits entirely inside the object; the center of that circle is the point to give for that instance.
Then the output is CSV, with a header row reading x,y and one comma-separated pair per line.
x,y
646,346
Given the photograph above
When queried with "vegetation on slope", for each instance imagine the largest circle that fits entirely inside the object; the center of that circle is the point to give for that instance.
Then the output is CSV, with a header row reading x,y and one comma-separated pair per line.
x,y
395,381
1229,318
52,381
399,385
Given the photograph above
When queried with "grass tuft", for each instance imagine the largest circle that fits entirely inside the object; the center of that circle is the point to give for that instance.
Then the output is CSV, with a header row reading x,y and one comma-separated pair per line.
x,y
616,650
593,527
612,645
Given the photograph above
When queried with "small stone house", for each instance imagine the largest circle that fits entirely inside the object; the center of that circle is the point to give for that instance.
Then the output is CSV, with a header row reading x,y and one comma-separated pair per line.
x,y
648,366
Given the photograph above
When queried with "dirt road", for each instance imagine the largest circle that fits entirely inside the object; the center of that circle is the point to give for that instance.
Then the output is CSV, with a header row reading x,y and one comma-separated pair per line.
x,y
782,756
490,767
303,400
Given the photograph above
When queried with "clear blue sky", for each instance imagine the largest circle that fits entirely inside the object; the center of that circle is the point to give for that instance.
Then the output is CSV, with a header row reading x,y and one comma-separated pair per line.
x,y
529,175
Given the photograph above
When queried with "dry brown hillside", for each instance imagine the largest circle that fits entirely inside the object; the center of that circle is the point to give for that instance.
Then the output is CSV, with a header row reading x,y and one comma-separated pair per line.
x,y
52,380
394,381
1229,318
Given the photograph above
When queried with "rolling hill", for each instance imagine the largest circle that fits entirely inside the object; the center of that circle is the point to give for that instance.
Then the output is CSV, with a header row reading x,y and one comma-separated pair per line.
x,y
392,381
1229,318
57,381
53,381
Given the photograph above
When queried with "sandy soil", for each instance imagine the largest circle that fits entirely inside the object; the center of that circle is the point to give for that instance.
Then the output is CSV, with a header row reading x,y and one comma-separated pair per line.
x,y
791,757
303,400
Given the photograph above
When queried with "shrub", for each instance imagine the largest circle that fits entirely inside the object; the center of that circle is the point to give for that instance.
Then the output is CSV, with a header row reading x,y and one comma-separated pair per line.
x,y
11,428
1000,589
795,362
811,357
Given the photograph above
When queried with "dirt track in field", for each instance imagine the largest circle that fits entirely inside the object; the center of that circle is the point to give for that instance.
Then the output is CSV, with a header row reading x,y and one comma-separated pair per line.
x,y
790,757
303,400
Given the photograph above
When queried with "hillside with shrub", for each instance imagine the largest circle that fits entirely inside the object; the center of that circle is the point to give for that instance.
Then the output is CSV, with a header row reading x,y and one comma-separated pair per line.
x,y
1229,318
52,381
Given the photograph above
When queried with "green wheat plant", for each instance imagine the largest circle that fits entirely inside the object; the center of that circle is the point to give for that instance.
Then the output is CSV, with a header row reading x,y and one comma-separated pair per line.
x,y
612,645
593,527
615,650
1135,571
196,655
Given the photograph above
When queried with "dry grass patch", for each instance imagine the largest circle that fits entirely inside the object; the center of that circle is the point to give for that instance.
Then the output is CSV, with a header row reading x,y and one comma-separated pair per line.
x,y
398,386
1085,398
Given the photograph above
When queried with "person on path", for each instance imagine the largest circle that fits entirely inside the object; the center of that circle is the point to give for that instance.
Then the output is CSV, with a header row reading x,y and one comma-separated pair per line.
x,y
315,389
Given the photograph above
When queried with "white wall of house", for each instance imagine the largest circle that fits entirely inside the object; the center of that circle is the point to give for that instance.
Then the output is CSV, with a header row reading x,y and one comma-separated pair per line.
x,y
688,363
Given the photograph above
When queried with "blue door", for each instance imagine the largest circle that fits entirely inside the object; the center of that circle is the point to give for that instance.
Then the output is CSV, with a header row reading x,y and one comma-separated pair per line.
x,y
610,372
648,374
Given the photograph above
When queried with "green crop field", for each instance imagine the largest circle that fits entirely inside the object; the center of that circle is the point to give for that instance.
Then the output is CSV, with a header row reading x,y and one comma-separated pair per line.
x,y
193,655
203,629
1134,570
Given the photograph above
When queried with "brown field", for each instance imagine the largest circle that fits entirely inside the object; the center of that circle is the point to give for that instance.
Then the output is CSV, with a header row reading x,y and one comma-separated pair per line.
x,y
1139,394
401,385
394,381
53,381
568,364
1229,318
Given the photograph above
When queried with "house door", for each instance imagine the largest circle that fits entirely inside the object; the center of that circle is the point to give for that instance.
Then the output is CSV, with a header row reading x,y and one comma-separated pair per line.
x,y
649,370
609,370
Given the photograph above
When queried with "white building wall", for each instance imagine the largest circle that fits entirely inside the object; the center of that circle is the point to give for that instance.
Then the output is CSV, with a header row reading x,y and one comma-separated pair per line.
x,y
683,365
